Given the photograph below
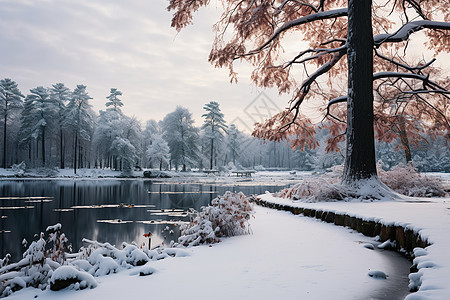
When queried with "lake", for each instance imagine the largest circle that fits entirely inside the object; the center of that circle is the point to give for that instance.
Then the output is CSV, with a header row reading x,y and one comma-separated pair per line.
x,y
105,210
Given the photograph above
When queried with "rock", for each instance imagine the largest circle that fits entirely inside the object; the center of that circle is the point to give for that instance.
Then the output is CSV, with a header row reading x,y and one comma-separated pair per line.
x,y
377,274
369,246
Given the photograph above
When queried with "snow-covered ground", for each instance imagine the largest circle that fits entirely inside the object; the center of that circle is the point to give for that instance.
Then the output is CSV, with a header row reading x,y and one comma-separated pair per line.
x,y
430,217
289,256
286,257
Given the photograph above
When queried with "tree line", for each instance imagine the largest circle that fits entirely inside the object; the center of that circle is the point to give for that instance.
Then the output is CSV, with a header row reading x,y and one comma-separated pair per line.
x,y
57,127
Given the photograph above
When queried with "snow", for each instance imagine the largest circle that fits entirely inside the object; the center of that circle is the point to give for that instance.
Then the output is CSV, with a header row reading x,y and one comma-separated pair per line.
x,y
280,259
430,217
286,256
68,272
377,274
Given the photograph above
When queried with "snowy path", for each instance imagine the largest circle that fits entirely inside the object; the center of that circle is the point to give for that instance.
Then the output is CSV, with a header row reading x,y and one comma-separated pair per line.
x,y
430,217
287,257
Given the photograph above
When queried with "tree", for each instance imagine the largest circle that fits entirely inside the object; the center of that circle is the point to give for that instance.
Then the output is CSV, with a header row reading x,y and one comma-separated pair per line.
x,y
79,118
41,114
214,126
182,137
263,25
132,134
114,101
151,128
10,101
233,142
60,95
158,151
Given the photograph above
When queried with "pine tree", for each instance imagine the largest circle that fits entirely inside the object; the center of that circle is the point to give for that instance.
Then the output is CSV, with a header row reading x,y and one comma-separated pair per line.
x,y
214,126
79,118
10,101
61,94
42,112
114,101
233,142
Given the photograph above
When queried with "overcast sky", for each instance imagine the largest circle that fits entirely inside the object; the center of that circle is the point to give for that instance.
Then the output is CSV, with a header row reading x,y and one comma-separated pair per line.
x,y
128,45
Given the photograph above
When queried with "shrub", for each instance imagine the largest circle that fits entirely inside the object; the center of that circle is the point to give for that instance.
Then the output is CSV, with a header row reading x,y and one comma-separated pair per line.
x,y
406,180
228,215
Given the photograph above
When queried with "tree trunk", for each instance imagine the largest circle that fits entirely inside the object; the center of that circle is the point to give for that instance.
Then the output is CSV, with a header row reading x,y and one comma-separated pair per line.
x,y
43,146
404,139
360,152
75,154
4,141
61,149
211,155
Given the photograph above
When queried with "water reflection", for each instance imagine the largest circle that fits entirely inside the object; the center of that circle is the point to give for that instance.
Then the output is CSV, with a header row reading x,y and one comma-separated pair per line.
x,y
113,211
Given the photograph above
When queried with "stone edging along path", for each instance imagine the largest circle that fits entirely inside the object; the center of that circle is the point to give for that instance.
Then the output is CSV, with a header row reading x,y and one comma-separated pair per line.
x,y
405,239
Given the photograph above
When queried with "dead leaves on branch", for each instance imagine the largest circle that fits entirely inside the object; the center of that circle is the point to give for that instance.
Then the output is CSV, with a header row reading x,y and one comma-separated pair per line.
x,y
252,31
299,132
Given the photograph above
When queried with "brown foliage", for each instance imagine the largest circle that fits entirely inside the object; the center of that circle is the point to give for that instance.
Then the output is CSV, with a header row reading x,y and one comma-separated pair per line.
x,y
258,31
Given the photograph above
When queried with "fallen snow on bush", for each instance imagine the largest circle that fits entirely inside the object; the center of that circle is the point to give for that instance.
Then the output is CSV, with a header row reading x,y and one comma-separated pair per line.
x,y
406,180
68,276
228,215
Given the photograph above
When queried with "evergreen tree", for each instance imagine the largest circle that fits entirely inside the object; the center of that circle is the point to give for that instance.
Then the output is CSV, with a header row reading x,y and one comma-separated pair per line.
x,y
10,101
79,118
214,126
233,142
60,95
114,101
182,137
42,114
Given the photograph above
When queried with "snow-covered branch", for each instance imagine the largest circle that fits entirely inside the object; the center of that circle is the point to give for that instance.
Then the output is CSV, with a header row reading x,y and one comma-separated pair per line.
x,y
406,30
423,78
332,102
319,53
415,92
330,14
280,8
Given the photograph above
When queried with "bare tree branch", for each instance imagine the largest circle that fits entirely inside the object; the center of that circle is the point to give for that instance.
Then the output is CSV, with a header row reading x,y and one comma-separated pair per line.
x,y
405,66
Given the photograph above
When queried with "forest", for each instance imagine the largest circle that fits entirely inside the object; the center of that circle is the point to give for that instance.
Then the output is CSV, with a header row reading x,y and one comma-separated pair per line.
x,y
56,127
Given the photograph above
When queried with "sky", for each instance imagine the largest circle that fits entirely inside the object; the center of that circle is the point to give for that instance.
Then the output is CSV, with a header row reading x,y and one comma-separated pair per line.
x,y
129,46
107,43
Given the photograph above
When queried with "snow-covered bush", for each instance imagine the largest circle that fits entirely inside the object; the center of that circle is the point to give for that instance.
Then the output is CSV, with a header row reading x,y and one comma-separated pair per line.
x,y
228,215
38,263
60,243
47,172
406,180
19,169
46,264
67,276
